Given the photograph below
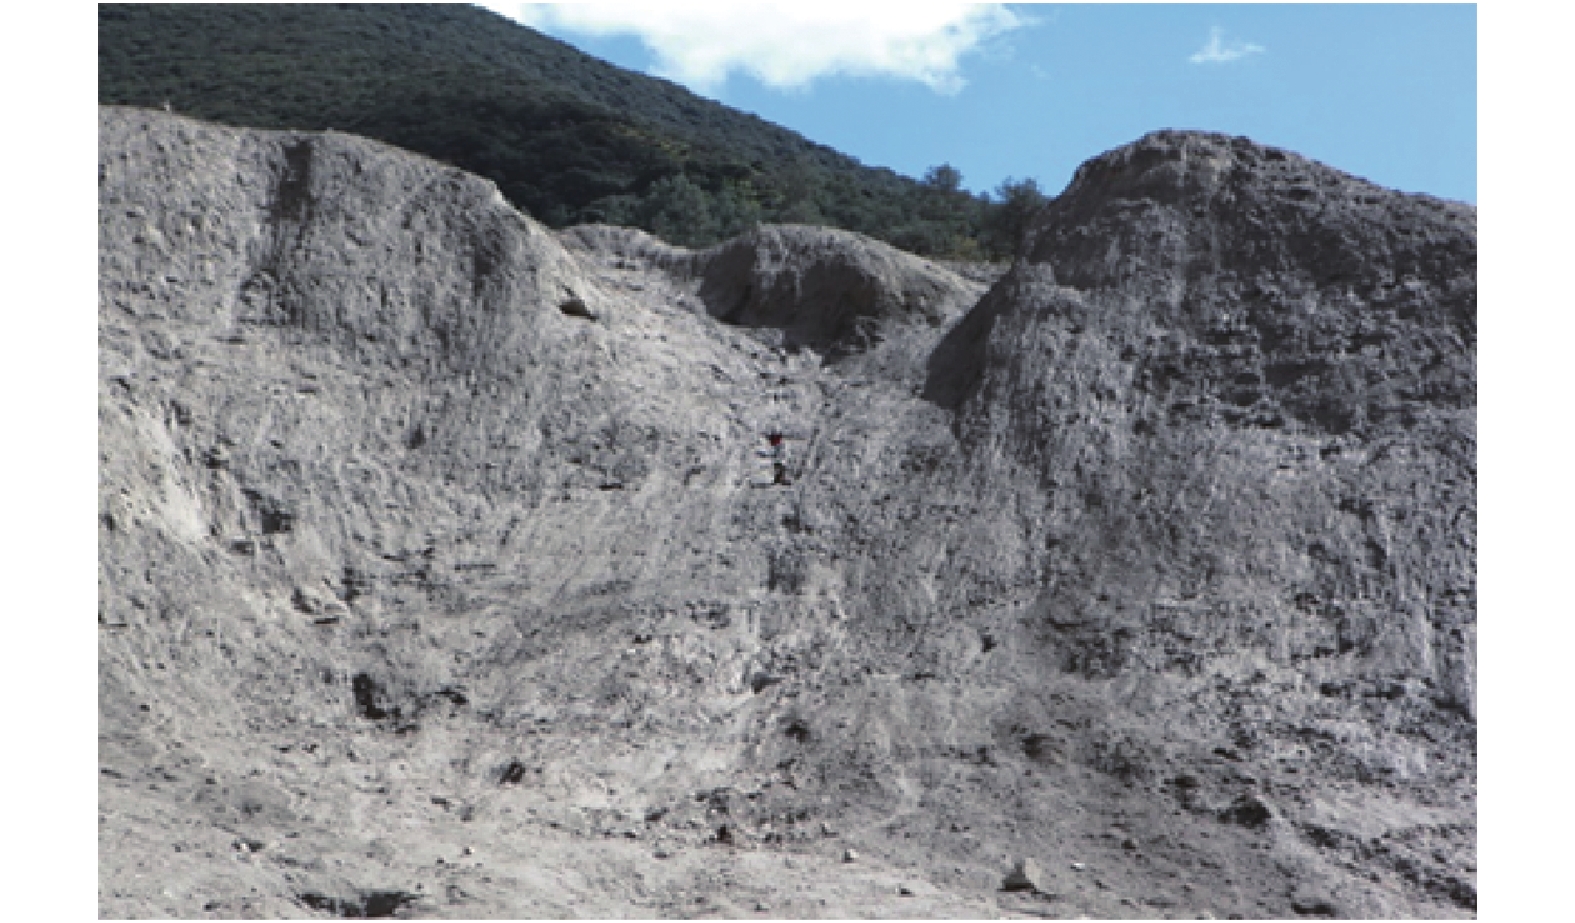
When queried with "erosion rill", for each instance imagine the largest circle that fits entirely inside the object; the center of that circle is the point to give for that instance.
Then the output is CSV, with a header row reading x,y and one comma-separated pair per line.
x,y
445,569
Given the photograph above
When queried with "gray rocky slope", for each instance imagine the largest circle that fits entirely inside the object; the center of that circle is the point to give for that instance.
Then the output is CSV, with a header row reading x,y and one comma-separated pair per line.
x,y
442,571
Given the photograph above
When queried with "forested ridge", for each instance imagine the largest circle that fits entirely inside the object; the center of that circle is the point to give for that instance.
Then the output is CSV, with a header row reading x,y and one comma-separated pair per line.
x,y
567,137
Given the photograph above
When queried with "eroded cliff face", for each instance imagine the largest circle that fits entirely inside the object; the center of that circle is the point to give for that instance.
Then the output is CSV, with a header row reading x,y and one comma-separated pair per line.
x,y
424,528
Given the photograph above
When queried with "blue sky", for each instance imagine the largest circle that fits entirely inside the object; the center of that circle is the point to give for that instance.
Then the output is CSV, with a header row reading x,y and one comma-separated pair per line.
x,y
1388,92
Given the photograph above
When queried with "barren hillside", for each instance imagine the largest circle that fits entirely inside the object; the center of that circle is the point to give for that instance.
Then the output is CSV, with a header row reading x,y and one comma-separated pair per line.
x,y
448,569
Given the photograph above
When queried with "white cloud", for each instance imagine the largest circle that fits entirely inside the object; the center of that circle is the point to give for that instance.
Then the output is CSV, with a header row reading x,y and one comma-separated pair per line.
x,y
787,46
1217,51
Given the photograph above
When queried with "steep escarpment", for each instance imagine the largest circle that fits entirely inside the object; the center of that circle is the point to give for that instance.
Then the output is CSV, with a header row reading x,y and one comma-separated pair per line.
x,y
447,562
1259,379
1233,394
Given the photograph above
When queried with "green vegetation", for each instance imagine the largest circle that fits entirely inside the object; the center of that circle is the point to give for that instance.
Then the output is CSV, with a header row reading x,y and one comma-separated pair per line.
x,y
568,138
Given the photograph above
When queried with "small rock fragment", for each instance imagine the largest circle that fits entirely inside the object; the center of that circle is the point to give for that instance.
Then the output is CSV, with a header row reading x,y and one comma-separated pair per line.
x,y
1024,876
904,891
1248,811
1078,866
1312,903
574,306
849,855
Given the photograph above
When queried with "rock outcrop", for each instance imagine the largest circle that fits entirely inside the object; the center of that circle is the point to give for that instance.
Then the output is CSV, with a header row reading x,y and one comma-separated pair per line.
x,y
442,565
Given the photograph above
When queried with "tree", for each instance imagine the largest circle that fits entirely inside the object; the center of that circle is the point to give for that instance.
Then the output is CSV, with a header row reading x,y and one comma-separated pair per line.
x,y
680,212
800,185
943,177
1008,216
736,208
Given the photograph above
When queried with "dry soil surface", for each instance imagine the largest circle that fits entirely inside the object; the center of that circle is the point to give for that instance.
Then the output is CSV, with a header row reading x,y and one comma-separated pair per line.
x,y
447,568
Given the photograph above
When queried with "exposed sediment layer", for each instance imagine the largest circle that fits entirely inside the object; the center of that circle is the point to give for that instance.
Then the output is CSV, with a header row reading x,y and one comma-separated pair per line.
x,y
444,564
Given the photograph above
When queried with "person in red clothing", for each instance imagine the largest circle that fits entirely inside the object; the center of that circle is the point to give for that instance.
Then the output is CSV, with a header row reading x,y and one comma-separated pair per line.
x,y
778,460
